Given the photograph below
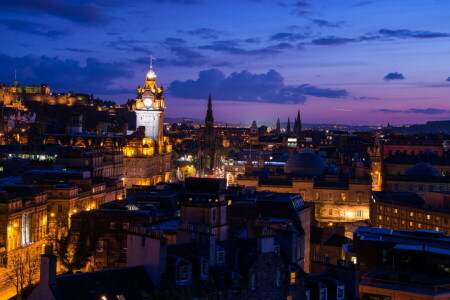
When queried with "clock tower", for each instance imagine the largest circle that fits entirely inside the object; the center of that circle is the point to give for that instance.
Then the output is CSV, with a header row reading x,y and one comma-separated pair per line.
x,y
150,107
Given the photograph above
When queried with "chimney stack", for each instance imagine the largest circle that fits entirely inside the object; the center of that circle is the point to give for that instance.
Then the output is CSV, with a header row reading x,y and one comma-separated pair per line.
x,y
48,266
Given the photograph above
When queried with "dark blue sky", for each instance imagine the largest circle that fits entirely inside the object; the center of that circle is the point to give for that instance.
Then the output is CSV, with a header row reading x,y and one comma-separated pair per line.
x,y
362,62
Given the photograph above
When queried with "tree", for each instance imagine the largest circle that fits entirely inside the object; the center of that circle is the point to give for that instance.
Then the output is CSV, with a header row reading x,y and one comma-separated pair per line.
x,y
74,248
24,269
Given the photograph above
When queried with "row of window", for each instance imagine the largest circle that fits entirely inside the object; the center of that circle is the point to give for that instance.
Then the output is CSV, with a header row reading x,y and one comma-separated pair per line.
x,y
420,188
419,226
411,214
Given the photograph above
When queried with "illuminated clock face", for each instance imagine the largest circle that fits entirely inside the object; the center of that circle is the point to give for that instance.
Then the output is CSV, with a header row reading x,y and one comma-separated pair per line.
x,y
147,101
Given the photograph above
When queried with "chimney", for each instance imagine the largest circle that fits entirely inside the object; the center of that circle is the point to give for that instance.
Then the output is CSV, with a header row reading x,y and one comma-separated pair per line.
x,y
48,266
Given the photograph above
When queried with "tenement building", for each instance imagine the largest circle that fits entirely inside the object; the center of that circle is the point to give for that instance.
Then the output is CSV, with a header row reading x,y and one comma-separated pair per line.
x,y
147,152
409,211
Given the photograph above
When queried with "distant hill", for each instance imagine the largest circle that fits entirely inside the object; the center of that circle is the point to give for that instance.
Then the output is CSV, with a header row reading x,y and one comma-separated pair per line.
x,y
429,127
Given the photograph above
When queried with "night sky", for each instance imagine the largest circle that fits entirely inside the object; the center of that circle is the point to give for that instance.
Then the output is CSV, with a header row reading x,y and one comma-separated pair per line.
x,y
358,62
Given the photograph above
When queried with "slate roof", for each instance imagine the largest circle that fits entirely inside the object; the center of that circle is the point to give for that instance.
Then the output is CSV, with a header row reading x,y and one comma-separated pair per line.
x,y
131,282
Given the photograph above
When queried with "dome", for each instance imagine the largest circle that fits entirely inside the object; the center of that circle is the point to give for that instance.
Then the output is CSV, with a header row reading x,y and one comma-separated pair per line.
x,y
422,169
151,75
305,163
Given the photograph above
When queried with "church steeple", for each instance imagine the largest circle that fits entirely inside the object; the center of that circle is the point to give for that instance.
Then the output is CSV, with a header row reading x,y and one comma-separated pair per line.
x,y
209,113
207,160
299,122
288,127
278,129
298,125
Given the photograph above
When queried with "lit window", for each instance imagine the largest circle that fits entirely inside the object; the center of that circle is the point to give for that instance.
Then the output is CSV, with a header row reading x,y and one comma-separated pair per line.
x,y
293,278
359,213
411,224
395,211
411,214
428,217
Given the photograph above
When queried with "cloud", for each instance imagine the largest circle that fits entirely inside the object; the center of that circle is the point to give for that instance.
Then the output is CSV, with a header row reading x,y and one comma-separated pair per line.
x,y
425,111
302,4
206,33
129,45
32,28
363,3
185,56
92,76
325,23
84,12
381,35
234,47
247,87
394,76
185,2
448,79
332,40
287,36
78,50
385,110
406,33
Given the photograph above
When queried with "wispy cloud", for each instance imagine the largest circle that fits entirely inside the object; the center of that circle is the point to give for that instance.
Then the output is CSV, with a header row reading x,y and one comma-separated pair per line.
x,y
32,28
425,111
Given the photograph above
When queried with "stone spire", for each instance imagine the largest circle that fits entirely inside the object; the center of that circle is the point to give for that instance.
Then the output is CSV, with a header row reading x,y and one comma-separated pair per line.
x,y
288,127
209,120
278,129
299,122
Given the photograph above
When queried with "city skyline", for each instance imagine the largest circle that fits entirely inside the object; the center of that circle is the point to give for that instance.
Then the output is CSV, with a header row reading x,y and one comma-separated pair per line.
x,y
358,62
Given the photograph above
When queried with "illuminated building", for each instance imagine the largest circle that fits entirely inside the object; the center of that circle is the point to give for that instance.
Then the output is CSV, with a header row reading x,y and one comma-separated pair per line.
x,y
23,219
15,95
337,197
147,152
408,211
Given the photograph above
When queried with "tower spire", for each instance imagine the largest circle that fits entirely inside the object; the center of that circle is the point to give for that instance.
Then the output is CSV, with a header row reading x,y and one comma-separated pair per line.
x,y
151,75
209,112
